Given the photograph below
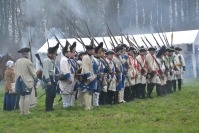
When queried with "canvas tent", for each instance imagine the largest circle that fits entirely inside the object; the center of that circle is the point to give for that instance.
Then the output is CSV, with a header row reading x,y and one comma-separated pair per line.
x,y
179,38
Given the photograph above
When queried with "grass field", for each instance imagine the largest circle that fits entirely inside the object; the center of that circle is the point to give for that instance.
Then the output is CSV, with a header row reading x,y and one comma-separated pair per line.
x,y
175,113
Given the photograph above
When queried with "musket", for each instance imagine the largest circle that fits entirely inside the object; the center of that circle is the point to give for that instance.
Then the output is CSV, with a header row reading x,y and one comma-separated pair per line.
x,y
30,46
156,40
172,37
121,36
39,59
160,36
134,41
148,41
111,40
48,43
111,32
165,38
56,38
88,29
130,42
144,42
105,43
127,39
62,34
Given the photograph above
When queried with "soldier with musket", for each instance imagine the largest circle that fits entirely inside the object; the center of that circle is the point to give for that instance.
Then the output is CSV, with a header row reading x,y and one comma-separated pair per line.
x,y
26,79
123,59
180,64
67,83
154,71
89,69
167,74
171,83
100,74
131,74
111,78
49,77
120,77
141,72
161,89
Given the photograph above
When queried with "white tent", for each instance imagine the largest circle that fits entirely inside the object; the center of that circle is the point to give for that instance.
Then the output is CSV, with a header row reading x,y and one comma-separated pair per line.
x,y
179,37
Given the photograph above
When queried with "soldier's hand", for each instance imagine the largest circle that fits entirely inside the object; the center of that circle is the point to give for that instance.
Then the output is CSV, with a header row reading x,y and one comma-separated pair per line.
x,y
49,83
90,80
69,81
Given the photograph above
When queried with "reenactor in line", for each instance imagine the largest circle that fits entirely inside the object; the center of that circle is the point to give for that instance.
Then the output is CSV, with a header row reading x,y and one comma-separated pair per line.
x,y
68,81
49,77
89,69
161,89
166,60
120,77
142,73
123,59
104,69
171,74
111,79
153,72
130,78
100,74
180,64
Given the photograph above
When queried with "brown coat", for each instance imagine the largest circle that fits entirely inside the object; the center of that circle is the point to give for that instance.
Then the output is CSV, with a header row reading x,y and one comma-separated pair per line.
x,y
9,78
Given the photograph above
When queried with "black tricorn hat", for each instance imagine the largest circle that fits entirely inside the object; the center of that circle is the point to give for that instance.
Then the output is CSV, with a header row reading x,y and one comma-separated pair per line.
x,y
73,47
171,49
110,52
152,49
118,48
123,45
142,49
178,48
91,45
131,48
24,50
99,48
66,48
53,50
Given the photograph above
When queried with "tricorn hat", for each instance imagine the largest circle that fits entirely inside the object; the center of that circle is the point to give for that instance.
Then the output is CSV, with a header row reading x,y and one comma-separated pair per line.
x,y
110,52
123,45
178,48
99,48
118,48
24,50
66,48
91,45
73,47
142,49
171,49
53,50
131,48
152,49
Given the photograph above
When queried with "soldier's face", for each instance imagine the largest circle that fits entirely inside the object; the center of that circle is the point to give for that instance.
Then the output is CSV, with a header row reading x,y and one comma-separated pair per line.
x,y
152,52
177,51
131,52
101,54
110,56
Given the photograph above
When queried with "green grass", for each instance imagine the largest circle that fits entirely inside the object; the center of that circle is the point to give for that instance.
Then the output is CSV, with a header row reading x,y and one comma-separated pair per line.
x,y
175,113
